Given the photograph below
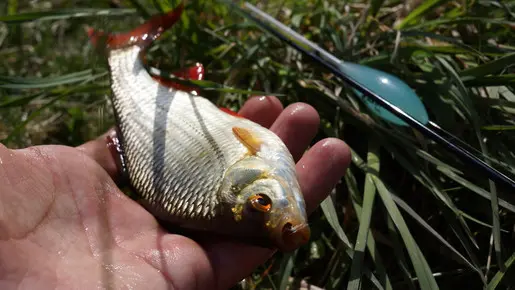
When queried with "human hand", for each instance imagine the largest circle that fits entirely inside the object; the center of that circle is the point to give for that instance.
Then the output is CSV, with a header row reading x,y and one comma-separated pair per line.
x,y
65,224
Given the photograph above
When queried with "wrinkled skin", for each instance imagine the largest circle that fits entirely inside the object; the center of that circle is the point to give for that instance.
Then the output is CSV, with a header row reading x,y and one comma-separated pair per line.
x,y
64,224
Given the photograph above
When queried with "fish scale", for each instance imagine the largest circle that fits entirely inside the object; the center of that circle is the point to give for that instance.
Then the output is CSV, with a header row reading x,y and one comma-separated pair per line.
x,y
194,164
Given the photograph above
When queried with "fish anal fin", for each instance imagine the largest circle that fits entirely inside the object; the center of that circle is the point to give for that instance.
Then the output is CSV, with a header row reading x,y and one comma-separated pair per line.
x,y
195,72
171,84
249,139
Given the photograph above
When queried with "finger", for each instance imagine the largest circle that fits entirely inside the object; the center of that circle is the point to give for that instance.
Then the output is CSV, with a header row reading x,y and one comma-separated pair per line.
x,y
233,261
97,150
262,110
319,170
297,126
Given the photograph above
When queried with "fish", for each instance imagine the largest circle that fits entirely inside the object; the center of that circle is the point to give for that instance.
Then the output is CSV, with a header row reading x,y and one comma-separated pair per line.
x,y
191,163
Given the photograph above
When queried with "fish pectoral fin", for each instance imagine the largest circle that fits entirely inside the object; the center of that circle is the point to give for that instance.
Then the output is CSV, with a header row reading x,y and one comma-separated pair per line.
x,y
247,138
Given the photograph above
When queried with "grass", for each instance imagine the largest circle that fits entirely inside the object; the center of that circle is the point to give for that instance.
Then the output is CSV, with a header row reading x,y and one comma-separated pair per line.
x,y
408,214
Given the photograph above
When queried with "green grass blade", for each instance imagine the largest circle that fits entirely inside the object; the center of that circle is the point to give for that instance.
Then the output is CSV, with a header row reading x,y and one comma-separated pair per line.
x,y
460,94
490,67
422,269
164,6
63,14
12,102
474,188
498,128
31,117
419,175
383,278
366,215
287,263
494,204
497,279
40,83
488,81
479,222
375,6
418,12
142,8
352,187
463,20
373,252
60,95
332,218
12,7
465,101
451,213
399,252
456,221
454,41
426,226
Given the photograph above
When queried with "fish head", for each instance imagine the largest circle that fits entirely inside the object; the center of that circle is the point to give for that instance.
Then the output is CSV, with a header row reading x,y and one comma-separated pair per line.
x,y
269,202
284,219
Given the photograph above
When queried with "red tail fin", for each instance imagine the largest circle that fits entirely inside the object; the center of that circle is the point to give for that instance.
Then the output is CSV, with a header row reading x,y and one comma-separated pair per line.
x,y
143,35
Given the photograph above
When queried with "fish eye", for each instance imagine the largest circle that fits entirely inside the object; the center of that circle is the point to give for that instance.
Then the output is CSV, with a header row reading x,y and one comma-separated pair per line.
x,y
261,202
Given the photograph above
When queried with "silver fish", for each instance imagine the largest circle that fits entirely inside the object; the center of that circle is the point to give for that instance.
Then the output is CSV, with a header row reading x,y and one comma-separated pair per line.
x,y
193,164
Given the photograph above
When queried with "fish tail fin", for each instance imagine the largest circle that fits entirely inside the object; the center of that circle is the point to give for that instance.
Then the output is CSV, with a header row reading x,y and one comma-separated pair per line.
x,y
142,35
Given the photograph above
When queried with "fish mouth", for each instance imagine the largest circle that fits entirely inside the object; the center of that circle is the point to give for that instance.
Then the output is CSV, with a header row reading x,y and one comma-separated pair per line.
x,y
291,235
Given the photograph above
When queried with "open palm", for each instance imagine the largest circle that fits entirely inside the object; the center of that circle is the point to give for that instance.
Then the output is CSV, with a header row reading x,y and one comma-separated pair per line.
x,y
64,224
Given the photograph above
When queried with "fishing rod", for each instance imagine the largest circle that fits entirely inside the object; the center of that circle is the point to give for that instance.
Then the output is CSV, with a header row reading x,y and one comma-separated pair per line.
x,y
390,85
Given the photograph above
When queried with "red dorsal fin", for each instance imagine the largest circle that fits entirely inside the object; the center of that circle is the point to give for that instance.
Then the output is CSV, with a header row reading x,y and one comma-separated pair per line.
x,y
143,35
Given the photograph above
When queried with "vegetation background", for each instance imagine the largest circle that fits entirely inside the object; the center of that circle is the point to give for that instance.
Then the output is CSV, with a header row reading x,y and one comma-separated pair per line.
x,y
408,214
